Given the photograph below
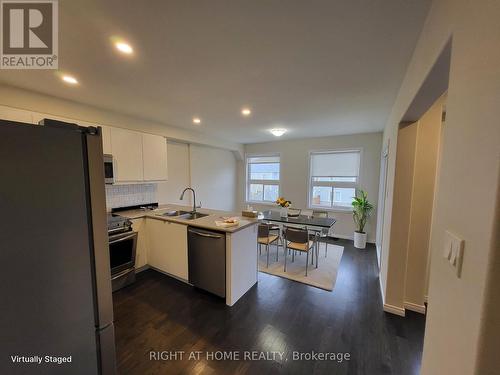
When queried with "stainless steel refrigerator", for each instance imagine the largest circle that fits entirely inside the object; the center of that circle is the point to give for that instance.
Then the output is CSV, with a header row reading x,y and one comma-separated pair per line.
x,y
55,278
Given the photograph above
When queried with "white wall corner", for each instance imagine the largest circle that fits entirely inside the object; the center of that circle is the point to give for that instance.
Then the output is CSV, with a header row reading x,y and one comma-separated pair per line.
x,y
379,251
239,154
381,289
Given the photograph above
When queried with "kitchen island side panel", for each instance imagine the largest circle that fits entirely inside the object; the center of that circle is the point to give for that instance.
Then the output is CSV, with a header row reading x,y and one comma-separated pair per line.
x,y
241,263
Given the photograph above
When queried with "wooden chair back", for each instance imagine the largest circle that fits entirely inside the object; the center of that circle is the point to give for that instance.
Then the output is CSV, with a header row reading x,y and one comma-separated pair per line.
x,y
263,230
296,235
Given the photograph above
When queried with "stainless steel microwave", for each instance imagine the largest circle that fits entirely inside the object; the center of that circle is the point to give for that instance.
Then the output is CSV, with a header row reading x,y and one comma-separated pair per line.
x,y
109,177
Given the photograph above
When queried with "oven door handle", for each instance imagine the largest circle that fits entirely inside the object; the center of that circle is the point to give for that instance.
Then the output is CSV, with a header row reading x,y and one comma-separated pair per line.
x,y
124,238
114,230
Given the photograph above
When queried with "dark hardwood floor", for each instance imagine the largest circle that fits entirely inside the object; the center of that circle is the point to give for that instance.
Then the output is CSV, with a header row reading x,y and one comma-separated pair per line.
x,y
159,313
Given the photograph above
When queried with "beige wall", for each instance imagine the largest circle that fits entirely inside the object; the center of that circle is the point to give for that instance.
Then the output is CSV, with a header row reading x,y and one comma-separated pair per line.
x,y
456,332
208,170
178,175
295,172
213,176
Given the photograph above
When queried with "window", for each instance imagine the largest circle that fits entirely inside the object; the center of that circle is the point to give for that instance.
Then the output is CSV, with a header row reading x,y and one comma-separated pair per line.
x,y
263,178
334,178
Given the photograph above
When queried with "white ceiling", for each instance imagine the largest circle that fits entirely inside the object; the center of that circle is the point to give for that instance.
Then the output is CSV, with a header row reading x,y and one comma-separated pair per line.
x,y
317,68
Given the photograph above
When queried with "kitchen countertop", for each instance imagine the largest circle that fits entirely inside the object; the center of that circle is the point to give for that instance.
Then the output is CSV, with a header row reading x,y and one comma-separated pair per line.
x,y
207,222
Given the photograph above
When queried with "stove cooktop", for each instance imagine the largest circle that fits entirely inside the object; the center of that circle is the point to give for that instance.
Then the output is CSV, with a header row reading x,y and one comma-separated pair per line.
x,y
116,221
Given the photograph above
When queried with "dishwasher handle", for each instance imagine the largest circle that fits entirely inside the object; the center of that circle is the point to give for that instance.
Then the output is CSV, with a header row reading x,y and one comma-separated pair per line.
x,y
205,234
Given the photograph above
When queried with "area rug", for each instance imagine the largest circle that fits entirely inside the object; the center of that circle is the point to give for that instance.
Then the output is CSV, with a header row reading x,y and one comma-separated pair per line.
x,y
323,277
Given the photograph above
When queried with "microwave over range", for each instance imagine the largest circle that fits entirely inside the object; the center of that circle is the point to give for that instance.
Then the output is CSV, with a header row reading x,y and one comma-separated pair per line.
x,y
109,177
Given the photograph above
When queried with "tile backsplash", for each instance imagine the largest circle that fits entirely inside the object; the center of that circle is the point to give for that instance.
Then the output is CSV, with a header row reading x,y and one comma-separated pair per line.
x,y
130,195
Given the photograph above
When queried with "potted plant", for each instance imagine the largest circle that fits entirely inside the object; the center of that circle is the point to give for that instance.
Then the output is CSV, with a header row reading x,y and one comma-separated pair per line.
x,y
284,206
362,210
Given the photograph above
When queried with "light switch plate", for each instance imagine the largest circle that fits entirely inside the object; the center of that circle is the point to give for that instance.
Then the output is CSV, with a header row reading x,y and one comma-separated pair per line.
x,y
453,251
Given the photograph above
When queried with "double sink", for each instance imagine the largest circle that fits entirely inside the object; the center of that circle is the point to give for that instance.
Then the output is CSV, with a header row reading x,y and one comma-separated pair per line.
x,y
180,214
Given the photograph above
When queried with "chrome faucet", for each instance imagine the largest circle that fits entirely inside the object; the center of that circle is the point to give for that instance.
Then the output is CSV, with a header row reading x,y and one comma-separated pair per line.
x,y
194,197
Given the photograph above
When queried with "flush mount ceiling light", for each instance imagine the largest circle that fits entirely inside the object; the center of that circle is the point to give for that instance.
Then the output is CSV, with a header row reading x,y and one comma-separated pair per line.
x,y
124,47
278,132
246,111
69,79
196,120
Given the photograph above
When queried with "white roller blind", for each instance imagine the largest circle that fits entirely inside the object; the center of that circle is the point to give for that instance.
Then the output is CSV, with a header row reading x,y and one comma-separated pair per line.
x,y
264,159
335,164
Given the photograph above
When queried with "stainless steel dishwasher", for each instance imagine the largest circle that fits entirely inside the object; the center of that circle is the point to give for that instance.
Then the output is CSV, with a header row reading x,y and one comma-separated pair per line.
x,y
207,260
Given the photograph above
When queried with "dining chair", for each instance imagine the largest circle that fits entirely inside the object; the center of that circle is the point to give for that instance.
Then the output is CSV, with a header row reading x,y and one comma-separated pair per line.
x,y
306,212
294,212
264,237
276,229
298,240
323,233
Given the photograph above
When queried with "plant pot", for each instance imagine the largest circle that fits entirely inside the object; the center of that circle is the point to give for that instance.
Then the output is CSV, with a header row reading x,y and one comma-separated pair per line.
x,y
284,212
359,240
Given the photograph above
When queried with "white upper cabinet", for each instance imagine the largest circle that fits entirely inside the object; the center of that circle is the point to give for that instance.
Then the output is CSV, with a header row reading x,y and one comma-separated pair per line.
x,y
154,157
106,140
126,148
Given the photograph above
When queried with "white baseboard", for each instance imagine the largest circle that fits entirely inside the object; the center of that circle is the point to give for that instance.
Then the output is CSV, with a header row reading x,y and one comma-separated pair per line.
x,y
345,237
414,307
394,310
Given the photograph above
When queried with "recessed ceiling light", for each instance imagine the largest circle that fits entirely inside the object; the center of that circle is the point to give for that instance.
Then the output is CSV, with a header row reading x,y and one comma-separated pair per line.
x,y
246,111
278,132
124,47
69,79
196,120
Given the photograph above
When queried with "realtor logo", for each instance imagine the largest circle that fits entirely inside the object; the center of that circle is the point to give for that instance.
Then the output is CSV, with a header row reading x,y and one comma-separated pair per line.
x,y
29,34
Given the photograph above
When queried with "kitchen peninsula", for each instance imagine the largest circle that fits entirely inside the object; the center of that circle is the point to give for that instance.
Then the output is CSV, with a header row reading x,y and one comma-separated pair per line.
x,y
163,244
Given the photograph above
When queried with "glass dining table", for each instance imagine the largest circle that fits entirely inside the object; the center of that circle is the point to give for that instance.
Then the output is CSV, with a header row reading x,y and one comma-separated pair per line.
x,y
301,221
311,223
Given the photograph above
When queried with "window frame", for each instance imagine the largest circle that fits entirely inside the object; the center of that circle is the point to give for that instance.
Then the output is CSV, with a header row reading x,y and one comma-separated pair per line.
x,y
249,181
332,184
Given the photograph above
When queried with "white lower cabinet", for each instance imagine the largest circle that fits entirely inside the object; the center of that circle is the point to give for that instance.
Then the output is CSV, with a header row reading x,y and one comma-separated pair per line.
x,y
141,256
167,247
